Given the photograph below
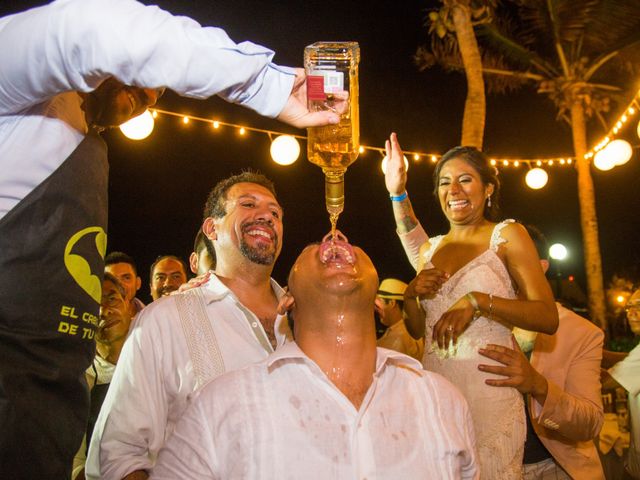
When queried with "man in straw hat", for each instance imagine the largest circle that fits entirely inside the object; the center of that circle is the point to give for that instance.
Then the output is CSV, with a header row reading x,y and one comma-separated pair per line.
x,y
391,292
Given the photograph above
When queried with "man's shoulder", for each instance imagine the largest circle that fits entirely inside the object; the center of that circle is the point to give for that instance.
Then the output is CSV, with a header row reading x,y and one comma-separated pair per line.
x,y
162,308
435,384
573,325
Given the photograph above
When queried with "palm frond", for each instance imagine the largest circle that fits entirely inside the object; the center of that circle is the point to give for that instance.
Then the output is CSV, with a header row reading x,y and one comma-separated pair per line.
x,y
493,40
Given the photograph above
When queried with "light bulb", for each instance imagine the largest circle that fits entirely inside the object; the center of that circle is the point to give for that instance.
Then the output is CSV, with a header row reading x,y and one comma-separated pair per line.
x,y
557,251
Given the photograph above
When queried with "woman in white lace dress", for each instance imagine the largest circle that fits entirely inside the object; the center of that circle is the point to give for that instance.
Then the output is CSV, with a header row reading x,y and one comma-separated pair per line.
x,y
474,284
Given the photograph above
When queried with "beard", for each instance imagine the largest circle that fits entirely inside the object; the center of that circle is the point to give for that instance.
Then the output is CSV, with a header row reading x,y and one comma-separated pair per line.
x,y
260,255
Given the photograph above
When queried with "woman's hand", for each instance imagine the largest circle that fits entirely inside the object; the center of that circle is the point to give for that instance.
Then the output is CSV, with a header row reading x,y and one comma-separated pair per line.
x,y
395,176
453,323
426,284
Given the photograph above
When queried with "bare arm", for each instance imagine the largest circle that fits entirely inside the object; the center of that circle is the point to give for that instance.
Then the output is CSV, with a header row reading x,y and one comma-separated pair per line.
x,y
395,179
535,310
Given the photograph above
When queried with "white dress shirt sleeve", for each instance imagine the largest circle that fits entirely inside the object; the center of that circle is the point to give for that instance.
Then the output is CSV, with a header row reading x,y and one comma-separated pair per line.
x,y
76,44
130,429
627,372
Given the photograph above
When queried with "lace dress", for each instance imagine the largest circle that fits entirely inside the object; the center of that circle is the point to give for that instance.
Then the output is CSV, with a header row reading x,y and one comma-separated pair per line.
x,y
498,412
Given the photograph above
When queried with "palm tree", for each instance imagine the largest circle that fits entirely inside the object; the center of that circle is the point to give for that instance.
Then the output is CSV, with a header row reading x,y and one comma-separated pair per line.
x,y
457,18
579,53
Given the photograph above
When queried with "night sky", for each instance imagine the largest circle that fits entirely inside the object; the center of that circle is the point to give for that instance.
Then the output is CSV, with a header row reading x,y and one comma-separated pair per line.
x,y
158,186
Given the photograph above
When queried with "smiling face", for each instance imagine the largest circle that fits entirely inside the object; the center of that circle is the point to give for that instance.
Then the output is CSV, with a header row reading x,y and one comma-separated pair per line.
x,y
167,276
461,192
252,223
114,314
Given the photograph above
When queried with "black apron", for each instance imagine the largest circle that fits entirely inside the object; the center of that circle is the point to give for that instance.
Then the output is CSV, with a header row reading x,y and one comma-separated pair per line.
x,y
52,247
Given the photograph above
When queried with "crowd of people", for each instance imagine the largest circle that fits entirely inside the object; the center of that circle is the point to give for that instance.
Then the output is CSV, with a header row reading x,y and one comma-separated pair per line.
x,y
480,373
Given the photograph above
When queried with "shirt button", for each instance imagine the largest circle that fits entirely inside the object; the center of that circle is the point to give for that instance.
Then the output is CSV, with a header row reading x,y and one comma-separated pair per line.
x,y
254,324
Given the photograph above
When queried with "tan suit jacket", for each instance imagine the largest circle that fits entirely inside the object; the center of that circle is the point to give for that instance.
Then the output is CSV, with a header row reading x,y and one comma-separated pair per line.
x,y
572,414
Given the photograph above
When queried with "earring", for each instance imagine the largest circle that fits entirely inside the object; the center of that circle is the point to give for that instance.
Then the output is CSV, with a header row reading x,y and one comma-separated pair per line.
x,y
489,200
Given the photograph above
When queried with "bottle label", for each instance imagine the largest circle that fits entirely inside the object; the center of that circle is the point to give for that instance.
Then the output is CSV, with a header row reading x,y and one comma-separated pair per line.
x,y
321,82
333,82
315,87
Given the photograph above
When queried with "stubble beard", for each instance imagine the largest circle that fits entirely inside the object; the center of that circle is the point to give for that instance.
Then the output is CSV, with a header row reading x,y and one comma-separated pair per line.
x,y
260,255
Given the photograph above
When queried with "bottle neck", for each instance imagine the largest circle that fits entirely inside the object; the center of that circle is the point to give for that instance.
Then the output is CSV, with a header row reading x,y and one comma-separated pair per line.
x,y
334,191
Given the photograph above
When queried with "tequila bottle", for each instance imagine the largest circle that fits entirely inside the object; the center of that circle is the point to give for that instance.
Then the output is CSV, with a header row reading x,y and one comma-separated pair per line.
x,y
332,84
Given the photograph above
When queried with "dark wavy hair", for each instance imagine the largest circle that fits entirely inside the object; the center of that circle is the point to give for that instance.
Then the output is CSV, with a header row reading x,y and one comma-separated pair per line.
x,y
480,163
215,206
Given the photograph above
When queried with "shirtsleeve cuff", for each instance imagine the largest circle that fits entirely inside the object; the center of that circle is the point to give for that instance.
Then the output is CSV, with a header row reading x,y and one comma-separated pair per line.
x,y
271,96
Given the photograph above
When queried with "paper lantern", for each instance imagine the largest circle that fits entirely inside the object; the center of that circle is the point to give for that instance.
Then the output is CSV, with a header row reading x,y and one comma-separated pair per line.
x,y
536,178
138,127
285,150
604,160
385,160
620,151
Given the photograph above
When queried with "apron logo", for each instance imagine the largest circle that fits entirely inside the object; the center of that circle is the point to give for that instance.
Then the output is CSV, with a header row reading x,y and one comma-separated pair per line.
x,y
79,268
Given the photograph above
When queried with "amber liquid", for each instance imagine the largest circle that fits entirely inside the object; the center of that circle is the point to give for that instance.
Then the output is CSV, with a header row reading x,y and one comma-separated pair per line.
x,y
333,218
334,148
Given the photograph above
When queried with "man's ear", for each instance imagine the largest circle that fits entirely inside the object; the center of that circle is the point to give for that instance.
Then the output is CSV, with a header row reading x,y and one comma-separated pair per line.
x,y
545,265
378,305
193,262
286,303
138,283
209,228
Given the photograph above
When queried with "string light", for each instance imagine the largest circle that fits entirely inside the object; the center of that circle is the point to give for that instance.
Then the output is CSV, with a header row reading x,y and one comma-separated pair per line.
x,y
626,115
433,157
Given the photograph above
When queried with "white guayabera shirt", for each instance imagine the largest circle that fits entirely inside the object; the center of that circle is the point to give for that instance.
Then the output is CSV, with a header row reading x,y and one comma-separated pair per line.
x,y
283,419
161,367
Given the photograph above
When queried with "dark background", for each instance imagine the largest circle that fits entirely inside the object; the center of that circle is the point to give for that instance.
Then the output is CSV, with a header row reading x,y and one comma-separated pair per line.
x,y
158,186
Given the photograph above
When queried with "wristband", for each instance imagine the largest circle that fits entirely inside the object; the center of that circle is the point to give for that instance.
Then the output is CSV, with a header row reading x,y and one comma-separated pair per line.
x,y
398,198
474,303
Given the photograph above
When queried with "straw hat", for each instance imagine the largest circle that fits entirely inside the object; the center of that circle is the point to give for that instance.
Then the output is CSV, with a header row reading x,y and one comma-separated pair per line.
x,y
392,289
634,299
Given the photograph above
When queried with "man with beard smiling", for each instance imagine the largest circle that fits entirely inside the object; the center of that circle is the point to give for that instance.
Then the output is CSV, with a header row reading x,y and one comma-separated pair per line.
x,y
329,405
183,340
167,273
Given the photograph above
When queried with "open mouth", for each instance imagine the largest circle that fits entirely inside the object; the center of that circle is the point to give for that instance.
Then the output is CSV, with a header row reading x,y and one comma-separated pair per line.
x,y
336,250
259,231
457,204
